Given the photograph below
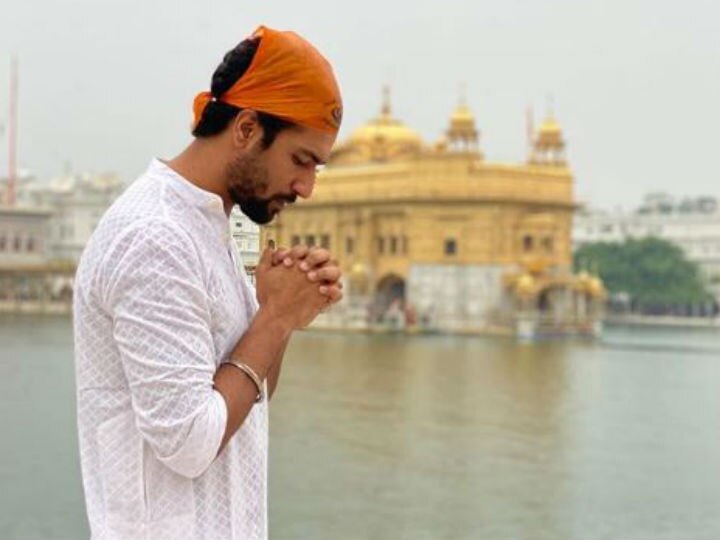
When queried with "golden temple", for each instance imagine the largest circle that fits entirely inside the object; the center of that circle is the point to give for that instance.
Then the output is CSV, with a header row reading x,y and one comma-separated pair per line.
x,y
434,236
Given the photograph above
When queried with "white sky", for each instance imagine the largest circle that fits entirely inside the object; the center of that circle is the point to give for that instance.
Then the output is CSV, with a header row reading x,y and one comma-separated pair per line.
x,y
107,84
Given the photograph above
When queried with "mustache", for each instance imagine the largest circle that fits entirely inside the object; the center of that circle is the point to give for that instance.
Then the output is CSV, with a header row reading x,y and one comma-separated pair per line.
x,y
258,210
284,198
240,196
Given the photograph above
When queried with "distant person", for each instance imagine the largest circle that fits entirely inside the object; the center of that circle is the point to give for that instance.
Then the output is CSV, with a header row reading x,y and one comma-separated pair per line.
x,y
176,353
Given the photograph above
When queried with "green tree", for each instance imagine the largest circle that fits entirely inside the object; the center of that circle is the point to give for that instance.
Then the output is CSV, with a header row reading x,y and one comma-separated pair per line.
x,y
653,272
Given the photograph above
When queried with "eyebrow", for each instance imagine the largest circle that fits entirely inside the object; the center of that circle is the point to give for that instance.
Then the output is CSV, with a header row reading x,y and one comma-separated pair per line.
x,y
313,156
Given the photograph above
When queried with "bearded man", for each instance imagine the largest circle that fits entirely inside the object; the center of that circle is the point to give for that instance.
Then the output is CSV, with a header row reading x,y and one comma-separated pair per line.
x,y
177,354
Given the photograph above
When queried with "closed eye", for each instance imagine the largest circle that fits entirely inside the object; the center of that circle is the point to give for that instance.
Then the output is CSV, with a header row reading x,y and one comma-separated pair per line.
x,y
300,163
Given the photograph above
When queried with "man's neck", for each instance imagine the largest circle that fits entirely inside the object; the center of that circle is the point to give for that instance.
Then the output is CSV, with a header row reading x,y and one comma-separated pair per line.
x,y
200,164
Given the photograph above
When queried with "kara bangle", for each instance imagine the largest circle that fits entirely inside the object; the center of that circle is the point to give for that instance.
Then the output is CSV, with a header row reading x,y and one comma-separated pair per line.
x,y
250,372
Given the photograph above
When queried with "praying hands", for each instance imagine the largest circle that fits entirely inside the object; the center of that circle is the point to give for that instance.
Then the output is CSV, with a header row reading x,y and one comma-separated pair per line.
x,y
318,265
296,284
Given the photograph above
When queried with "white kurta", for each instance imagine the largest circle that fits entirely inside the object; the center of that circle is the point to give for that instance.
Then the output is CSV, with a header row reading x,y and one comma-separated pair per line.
x,y
161,299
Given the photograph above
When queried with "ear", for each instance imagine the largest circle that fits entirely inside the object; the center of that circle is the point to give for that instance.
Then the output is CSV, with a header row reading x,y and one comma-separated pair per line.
x,y
246,128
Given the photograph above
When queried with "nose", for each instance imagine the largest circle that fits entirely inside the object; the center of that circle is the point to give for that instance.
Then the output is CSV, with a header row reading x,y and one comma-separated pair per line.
x,y
304,186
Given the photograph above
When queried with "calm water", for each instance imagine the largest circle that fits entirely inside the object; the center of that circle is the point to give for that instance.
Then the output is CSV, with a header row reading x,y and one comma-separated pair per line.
x,y
425,438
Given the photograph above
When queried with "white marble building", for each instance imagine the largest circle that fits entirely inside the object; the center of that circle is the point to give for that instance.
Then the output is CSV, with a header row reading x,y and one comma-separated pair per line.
x,y
246,235
77,202
74,203
23,236
451,295
692,224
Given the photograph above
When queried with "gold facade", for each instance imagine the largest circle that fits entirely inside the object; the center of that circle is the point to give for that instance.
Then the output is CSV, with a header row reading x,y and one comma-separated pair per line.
x,y
387,201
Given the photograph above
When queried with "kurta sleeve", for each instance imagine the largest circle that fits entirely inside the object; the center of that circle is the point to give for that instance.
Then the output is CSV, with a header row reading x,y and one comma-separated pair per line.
x,y
158,302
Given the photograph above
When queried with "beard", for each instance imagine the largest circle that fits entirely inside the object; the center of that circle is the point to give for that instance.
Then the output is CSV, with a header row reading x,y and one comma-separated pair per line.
x,y
247,181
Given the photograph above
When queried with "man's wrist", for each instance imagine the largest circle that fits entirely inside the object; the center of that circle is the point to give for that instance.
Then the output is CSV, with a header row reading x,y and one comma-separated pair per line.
x,y
273,323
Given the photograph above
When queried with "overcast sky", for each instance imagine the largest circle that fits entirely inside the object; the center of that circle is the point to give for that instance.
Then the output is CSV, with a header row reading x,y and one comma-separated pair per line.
x,y
107,84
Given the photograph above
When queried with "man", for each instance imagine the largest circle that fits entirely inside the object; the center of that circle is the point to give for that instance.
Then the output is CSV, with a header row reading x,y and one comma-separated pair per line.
x,y
176,353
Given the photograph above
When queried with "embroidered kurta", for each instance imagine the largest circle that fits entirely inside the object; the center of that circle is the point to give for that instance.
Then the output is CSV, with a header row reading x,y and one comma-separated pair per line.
x,y
161,299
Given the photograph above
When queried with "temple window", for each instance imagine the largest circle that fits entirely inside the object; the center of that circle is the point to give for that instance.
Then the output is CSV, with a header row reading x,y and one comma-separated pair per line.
x,y
527,243
393,245
450,246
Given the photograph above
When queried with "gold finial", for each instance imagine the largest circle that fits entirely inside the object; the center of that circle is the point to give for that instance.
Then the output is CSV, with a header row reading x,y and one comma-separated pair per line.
x,y
462,102
550,125
548,145
550,106
386,108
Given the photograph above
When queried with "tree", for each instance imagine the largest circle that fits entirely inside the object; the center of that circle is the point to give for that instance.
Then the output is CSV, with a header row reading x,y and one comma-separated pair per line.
x,y
653,272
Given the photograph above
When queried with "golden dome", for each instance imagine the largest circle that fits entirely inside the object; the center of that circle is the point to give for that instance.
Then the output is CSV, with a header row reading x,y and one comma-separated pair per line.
x,y
592,285
385,130
359,270
549,125
549,134
462,115
582,281
461,134
596,288
382,139
525,285
548,145
462,123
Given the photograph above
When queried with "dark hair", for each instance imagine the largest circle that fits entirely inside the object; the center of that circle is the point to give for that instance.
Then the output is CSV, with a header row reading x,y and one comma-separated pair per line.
x,y
217,115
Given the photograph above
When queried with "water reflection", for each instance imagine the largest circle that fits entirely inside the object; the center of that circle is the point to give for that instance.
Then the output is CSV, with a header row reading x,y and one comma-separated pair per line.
x,y
477,438
429,437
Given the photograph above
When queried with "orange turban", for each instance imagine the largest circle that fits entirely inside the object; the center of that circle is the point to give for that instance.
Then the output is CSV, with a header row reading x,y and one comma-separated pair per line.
x,y
287,78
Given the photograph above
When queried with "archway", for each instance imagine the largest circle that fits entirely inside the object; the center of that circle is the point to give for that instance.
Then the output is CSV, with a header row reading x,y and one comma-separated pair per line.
x,y
389,297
